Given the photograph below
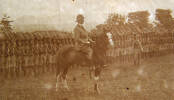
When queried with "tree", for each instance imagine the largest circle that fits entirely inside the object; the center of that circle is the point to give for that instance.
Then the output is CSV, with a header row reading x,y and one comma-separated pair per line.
x,y
116,19
139,19
5,23
116,22
164,19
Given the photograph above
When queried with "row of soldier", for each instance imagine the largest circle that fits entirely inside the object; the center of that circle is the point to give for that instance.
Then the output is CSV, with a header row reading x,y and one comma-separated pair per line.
x,y
146,39
22,53
157,39
153,45
32,47
26,47
29,52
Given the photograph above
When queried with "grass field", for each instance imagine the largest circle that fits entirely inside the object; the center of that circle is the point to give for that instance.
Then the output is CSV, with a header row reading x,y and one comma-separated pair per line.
x,y
152,80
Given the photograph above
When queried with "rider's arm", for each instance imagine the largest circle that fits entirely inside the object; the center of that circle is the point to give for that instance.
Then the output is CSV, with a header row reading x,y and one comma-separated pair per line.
x,y
90,40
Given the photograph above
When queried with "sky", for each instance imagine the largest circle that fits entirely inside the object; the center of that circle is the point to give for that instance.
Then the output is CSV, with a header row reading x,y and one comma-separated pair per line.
x,y
62,13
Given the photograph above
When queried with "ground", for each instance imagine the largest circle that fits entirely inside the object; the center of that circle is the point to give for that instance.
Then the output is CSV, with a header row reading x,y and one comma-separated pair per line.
x,y
152,80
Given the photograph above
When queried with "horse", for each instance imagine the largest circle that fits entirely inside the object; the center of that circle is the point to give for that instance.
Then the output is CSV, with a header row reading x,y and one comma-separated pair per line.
x,y
68,56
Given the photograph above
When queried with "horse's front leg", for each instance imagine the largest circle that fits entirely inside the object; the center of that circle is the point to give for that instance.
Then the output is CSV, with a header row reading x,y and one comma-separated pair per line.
x,y
58,78
96,78
91,69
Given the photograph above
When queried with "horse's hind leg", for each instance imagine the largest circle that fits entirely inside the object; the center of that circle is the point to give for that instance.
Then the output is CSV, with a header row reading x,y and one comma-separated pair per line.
x,y
64,76
58,76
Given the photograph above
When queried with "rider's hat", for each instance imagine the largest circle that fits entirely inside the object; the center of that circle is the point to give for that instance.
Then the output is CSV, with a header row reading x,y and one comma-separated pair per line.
x,y
79,17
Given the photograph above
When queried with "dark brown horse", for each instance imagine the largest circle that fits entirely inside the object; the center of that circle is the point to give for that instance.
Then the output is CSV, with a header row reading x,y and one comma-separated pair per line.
x,y
68,56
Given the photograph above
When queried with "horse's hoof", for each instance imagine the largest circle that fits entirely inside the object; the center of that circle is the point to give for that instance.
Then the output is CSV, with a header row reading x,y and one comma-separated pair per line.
x,y
66,88
74,79
97,92
96,89
56,90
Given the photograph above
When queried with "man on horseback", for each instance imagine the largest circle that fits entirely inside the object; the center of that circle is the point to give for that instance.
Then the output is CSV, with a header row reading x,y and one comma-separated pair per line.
x,y
81,36
82,54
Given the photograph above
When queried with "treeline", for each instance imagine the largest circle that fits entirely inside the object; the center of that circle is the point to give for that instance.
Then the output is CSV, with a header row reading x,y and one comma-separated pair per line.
x,y
138,22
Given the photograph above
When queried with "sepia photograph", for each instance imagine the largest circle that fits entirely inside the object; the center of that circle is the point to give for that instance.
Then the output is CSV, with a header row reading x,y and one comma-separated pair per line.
x,y
86,49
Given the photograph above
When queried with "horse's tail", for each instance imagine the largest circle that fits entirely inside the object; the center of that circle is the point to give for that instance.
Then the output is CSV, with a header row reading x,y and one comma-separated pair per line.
x,y
58,62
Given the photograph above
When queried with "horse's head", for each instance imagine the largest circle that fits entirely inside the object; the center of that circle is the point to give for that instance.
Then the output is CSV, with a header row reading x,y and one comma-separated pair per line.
x,y
104,39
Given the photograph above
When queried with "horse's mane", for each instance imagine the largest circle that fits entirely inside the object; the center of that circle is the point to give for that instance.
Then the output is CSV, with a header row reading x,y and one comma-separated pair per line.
x,y
63,50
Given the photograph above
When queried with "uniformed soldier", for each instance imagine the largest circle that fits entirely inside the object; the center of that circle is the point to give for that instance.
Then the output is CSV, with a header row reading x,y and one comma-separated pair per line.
x,y
7,49
81,37
137,50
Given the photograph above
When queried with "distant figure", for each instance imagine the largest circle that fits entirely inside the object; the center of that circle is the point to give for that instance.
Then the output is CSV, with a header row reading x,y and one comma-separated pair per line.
x,y
82,40
137,50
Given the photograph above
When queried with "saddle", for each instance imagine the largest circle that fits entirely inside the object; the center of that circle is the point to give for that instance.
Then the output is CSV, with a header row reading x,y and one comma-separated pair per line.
x,y
81,48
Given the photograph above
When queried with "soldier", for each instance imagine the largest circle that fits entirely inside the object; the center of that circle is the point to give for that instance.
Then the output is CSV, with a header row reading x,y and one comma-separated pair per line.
x,y
40,46
53,44
34,44
137,50
6,49
1,48
81,37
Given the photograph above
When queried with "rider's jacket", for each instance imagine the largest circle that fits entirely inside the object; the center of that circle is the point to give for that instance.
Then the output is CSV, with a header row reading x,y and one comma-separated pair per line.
x,y
80,34
81,39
